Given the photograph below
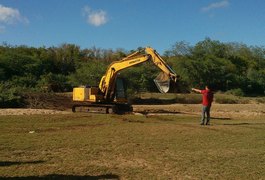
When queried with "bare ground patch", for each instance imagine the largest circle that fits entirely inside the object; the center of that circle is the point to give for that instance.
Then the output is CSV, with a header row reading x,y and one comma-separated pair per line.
x,y
23,111
218,111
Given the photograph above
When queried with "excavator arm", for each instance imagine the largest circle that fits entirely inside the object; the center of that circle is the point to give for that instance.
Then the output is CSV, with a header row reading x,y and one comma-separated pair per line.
x,y
107,83
161,64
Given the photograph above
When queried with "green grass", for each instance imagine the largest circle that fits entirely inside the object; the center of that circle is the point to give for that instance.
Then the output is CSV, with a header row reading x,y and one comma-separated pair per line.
x,y
131,147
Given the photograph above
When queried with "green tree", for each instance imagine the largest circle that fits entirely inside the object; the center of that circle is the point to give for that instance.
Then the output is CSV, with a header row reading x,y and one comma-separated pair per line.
x,y
53,83
89,73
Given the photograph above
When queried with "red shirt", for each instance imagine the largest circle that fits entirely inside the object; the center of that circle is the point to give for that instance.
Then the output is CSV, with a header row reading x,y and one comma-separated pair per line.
x,y
207,97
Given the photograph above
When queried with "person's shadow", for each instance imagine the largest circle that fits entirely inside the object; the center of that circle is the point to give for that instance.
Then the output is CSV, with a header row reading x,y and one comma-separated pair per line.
x,y
219,118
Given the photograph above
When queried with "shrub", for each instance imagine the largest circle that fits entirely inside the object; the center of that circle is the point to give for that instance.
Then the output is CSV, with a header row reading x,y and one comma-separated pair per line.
x,y
260,100
169,98
236,92
10,96
188,98
53,83
226,99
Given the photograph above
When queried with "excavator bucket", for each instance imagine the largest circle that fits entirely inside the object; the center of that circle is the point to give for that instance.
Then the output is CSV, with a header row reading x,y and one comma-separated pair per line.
x,y
162,82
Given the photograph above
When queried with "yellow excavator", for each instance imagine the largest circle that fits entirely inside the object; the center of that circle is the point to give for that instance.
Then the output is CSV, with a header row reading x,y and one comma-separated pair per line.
x,y
110,96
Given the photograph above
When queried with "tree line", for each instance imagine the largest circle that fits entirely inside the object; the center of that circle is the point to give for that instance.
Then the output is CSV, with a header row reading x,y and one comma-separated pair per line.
x,y
229,67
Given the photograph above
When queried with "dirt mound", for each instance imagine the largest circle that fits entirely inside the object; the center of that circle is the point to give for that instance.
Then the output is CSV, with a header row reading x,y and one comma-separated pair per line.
x,y
60,101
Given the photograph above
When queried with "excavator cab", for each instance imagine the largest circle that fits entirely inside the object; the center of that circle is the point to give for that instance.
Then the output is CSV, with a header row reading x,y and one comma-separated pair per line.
x,y
120,91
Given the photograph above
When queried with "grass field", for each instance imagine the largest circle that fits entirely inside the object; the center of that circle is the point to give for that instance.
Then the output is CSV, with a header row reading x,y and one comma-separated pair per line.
x,y
95,146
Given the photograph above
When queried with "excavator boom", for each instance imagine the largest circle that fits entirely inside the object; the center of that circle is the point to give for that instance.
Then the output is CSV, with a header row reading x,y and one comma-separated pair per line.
x,y
107,85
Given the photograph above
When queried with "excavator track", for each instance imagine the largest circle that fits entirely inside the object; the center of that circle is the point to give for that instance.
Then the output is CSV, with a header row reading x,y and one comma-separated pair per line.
x,y
102,108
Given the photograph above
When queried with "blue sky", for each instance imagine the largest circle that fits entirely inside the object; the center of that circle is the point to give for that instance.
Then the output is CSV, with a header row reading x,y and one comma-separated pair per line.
x,y
129,24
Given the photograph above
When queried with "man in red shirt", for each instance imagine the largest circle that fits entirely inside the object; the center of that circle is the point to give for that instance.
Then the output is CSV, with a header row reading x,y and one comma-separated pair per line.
x,y
207,99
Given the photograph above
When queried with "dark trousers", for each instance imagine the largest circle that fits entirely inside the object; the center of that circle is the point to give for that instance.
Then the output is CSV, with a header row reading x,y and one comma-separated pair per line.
x,y
206,111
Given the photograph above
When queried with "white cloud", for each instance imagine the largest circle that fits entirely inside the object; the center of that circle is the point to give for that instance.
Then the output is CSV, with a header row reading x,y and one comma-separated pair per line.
x,y
95,18
11,16
216,5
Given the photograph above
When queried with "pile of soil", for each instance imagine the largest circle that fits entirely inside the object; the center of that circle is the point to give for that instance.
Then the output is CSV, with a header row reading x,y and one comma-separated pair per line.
x,y
54,101
42,103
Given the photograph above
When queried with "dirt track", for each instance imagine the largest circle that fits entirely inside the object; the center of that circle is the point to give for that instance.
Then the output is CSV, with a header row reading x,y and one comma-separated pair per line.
x,y
218,110
22,111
